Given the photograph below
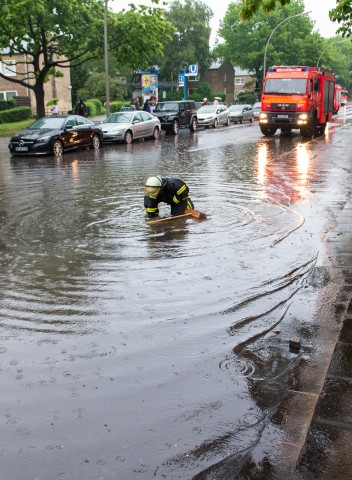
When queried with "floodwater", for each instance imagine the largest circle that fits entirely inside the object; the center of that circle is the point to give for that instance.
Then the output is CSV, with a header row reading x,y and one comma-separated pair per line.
x,y
135,351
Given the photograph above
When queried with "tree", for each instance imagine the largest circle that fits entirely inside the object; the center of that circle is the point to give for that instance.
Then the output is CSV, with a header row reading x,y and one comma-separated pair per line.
x,y
251,7
50,35
190,43
343,15
291,44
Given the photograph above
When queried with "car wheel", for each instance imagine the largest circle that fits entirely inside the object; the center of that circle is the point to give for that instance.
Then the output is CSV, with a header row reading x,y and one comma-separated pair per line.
x,y
95,142
241,119
175,127
267,130
128,137
58,148
235,122
193,126
156,133
216,123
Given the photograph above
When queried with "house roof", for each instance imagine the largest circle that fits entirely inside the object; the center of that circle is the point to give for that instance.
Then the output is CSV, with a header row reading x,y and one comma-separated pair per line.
x,y
238,71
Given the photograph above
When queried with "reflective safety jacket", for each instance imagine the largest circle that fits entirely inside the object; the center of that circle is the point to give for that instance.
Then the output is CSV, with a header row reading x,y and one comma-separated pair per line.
x,y
173,191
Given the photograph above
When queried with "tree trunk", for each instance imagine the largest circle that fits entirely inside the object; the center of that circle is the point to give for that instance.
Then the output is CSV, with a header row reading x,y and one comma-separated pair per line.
x,y
38,89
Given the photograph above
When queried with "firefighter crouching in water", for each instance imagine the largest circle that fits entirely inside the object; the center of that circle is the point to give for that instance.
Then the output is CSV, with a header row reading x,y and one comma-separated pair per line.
x,y
170,190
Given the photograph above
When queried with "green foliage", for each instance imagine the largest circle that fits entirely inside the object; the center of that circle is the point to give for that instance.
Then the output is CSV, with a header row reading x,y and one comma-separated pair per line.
x,y
30,28
203,89
99,108
7,104
117,106
94,87
251,7
190,42
15,114
71,32
343,15
247,97
290,44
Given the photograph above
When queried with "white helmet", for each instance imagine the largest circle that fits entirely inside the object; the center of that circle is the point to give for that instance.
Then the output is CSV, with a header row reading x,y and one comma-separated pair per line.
x,y
152,186
205,99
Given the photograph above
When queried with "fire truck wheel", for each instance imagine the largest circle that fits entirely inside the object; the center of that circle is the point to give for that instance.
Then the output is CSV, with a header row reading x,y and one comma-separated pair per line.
x,y
321,128
310,130
267,130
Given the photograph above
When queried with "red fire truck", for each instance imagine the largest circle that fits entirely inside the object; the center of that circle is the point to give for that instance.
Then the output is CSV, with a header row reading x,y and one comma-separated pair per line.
x,y
297,97
344,97
337,98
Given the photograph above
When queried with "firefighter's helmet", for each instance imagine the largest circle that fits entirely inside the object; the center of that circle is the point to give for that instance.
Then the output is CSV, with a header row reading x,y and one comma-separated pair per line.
x,y
152,186
205,99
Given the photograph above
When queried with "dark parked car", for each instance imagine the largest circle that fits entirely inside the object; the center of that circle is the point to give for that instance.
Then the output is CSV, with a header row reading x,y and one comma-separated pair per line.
x,y
176,115
55,135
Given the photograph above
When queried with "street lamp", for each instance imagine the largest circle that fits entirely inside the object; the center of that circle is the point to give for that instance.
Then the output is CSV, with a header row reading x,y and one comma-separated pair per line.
x,y
267,43
330,45
106,58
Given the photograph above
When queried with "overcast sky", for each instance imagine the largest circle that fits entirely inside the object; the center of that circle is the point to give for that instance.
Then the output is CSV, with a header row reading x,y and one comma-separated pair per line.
x,y
319,8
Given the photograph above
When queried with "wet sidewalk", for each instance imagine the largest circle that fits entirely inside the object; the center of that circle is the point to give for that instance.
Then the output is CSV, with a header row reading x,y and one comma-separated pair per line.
x,y
326,453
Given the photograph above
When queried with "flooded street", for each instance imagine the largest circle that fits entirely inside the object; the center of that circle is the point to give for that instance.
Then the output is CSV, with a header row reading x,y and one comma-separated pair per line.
x,y
133,351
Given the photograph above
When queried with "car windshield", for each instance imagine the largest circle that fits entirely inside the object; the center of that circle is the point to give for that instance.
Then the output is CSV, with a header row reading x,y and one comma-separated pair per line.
x,y
257,105
236,108
208,109
286,86
167,106
122,117
52,123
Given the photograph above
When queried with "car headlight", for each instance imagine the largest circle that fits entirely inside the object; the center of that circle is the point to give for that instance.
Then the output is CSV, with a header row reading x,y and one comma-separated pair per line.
x,y
43,140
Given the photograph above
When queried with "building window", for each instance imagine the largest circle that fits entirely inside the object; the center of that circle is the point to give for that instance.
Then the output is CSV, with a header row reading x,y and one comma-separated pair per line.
x,y
239,81
8,68
7,95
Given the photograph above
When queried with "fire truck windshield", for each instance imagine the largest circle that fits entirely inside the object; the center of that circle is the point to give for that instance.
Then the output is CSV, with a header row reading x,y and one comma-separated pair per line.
x,y
286,86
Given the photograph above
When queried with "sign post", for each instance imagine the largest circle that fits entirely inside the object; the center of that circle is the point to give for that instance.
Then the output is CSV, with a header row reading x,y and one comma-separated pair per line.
x,y
184,85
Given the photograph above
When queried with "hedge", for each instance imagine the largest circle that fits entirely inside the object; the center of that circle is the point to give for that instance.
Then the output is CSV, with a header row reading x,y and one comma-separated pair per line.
x,y
15,114
7,104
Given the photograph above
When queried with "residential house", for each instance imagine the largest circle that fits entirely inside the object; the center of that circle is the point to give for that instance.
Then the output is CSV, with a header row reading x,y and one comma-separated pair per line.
x,y
243,81
220,77
56,87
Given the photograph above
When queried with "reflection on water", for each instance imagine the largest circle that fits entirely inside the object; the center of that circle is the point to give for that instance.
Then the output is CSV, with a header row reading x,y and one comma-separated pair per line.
x,y
131,350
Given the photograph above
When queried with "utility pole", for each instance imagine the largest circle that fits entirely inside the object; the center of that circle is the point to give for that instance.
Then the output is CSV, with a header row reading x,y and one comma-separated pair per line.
x,y
106,58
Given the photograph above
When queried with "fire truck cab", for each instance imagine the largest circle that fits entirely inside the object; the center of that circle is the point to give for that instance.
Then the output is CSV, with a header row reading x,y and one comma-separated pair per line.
x,y
297,97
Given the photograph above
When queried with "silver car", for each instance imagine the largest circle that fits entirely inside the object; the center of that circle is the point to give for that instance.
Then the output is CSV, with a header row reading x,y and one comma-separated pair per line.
x,y
127,126
241,113
257,107
213,116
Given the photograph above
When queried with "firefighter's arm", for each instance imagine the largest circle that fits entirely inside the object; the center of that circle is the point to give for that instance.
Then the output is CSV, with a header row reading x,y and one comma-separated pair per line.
x,y
151,207
181,194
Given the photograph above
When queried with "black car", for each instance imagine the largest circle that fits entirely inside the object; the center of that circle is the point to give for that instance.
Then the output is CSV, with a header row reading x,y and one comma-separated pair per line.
x,y
176,115
55,135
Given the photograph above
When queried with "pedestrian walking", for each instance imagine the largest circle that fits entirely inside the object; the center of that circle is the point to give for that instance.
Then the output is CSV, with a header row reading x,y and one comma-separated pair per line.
x,y
81,109
55,108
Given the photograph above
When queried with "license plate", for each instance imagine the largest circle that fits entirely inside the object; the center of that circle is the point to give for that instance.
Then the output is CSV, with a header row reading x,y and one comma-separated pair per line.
x,y
21,149
282,116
